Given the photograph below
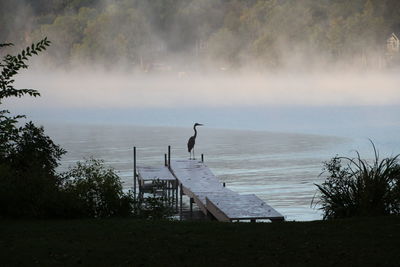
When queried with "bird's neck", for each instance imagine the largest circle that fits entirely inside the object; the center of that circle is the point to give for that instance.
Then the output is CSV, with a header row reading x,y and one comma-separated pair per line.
x,y
195,132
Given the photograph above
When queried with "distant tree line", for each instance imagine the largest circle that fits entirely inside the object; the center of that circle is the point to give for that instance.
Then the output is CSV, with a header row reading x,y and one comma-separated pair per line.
x,y
265,33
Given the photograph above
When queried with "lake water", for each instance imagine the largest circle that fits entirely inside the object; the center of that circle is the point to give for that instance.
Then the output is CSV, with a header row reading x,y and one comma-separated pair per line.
x,y
288,123
279,159
280,168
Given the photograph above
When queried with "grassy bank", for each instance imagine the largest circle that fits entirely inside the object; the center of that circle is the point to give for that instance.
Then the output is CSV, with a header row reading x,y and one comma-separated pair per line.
x,y
358,242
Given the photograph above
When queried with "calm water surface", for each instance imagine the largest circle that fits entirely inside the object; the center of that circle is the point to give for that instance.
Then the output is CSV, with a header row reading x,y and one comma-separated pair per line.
x,y
336,116
281,168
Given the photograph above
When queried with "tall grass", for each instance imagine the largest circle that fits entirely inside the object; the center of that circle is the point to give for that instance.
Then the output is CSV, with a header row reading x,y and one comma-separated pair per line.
x,y
358,187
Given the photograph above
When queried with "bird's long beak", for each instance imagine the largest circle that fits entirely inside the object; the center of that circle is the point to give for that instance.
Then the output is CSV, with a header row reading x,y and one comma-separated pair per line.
x,y
201,124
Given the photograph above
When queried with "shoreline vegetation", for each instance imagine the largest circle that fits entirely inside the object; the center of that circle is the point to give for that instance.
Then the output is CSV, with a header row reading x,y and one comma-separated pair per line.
x,y
118,242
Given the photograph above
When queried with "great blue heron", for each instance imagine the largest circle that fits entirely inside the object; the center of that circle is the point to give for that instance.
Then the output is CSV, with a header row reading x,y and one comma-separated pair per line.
x,y
192,140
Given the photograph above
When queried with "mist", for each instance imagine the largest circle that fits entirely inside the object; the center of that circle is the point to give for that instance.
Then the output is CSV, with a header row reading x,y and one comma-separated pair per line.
x,y
356,105
120,90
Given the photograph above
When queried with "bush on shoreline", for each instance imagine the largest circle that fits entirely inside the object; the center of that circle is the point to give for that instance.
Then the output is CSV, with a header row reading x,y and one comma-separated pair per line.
x,y
28,158
95,191
29,185
355,187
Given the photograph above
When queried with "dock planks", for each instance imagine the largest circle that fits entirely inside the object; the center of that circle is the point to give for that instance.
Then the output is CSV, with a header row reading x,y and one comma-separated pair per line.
x,y
195,177
229,208
200,184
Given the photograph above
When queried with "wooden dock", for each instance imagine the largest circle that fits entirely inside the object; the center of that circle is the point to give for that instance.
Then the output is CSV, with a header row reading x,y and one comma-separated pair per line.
x,y
230,208
201,185
196,181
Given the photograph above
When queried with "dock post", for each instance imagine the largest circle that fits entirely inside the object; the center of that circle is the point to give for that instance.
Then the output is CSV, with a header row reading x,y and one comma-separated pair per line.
x,y
169,156
223,184
134,172
169,192
165,160
202,157
176,195
180,202
191,207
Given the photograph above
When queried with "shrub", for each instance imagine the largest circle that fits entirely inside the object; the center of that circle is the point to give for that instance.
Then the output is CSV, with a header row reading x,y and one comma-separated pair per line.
x,y
91,190
28,181
359,187
28,158
95,191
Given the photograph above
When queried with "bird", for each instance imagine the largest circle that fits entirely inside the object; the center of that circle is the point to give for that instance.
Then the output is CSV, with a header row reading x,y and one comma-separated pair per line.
x,y
192,140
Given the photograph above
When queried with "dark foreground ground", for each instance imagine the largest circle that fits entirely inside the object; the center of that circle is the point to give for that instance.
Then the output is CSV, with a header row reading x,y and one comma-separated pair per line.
x,y
116,242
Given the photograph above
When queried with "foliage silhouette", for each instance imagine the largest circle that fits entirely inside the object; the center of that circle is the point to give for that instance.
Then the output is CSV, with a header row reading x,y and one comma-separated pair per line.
x,y
360,187
95,191
28,181
28,158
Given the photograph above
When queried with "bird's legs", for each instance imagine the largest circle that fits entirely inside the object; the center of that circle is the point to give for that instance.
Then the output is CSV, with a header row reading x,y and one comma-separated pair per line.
x,y
193,158
191,154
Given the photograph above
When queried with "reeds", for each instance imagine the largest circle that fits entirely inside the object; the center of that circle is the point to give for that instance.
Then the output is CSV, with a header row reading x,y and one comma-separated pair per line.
x,y
357,187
